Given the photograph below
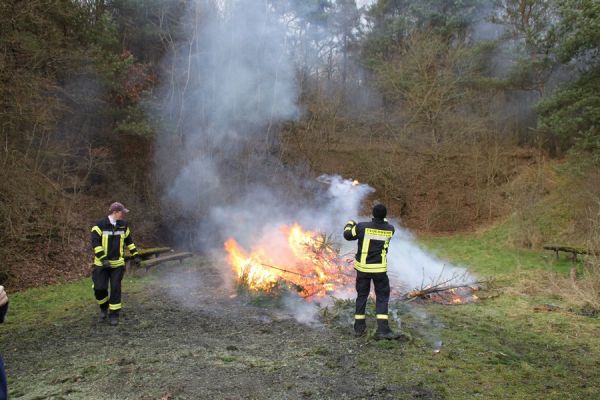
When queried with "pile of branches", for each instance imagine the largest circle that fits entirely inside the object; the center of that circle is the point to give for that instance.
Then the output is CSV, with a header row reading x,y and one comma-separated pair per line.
x,y
458,284
324,254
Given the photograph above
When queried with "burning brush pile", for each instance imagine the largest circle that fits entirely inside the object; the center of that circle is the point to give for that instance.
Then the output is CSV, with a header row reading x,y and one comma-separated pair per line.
x,y
306,261
310,264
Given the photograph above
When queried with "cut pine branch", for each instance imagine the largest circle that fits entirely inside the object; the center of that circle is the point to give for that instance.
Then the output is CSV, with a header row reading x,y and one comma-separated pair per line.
x,y
284,270
423,293
440,285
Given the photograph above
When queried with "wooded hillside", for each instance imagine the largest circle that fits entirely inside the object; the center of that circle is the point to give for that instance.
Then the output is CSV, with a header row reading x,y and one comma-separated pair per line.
x,y
459,113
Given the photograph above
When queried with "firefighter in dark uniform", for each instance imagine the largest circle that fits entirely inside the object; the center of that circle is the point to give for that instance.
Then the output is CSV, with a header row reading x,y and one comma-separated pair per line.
x,y
371,264
109,237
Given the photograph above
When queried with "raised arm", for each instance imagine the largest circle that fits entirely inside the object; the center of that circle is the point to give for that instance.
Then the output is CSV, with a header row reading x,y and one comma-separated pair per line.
x,y
350,230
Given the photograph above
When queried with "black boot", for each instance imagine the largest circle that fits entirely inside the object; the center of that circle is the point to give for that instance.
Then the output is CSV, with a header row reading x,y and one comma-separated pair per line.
x,y
360,327
103,314
114,319
384,331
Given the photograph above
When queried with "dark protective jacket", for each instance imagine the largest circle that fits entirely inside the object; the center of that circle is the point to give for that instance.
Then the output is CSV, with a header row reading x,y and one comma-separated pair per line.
x,y
3,311
108,242
3,385
373,241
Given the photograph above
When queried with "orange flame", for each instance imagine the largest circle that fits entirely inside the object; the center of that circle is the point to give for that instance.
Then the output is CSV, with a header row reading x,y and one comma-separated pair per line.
x,y
308,264
463,295
248,268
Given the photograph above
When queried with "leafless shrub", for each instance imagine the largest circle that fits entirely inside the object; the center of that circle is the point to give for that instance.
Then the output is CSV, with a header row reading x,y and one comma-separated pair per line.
x,y
580,289
524,195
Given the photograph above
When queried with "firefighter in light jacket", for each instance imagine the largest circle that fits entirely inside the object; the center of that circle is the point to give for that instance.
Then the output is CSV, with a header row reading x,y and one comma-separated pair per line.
x,y
109,237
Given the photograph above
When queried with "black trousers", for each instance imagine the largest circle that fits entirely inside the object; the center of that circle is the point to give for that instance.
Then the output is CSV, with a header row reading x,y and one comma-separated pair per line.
x,y
102,277
382,291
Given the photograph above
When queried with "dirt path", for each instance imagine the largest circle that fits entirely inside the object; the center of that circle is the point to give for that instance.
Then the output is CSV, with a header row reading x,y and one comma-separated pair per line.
x,y
183,336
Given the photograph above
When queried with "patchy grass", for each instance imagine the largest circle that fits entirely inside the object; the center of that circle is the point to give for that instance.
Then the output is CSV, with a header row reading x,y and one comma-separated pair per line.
x,y
44,305
494,349
490,254
499,347
185,337
558,205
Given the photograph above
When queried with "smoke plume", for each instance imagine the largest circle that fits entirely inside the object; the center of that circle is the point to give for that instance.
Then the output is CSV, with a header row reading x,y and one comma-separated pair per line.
x,y
228,86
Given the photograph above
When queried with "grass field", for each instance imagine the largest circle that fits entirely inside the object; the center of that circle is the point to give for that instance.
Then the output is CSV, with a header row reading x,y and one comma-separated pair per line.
x,y
499,347
205,344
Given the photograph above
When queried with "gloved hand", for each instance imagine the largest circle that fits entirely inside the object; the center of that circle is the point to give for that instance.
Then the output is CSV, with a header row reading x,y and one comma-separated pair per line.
x,y
137,260
105,263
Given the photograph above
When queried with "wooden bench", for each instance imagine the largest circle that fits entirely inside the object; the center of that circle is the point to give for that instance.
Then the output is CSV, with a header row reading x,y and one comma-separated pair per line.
x,y
146,254
570,249
147,264
155,256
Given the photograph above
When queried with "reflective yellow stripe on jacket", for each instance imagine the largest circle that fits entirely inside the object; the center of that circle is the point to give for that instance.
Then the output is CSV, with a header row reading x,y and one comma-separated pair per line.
x,y
374,234
101,252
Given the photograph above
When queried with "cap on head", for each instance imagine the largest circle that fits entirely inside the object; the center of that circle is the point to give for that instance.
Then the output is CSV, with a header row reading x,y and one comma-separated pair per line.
x,y
116,206
379,211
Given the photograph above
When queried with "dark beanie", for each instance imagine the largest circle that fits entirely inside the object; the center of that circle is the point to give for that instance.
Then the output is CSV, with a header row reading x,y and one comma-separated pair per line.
x,y
379,211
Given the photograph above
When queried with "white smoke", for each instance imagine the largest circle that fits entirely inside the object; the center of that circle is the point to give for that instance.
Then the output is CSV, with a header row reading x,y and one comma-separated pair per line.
x,y
416,268
301,310
409,265
227,87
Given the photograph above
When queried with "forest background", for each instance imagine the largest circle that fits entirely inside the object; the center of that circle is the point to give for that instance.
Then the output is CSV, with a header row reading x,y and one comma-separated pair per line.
x,y
462,114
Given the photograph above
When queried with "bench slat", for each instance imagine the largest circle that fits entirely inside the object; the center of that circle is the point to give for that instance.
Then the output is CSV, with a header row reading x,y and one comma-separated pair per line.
x,y
159,260
147,253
